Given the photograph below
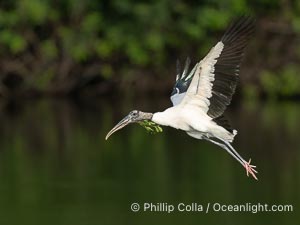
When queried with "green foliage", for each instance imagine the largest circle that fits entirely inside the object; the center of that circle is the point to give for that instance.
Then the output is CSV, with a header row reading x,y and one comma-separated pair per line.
x,y
14,42
35,11
284,83
250,92
131,30
49,49
151,127
62,41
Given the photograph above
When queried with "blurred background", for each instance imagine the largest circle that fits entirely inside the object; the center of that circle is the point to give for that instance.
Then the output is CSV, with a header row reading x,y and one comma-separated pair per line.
x,y
70,69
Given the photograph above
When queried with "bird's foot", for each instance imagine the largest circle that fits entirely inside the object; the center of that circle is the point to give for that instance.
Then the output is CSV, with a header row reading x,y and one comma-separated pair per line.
x,y
250,169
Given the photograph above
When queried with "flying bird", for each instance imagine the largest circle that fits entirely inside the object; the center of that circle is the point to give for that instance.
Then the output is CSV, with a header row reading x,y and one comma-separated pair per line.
x,y
201,96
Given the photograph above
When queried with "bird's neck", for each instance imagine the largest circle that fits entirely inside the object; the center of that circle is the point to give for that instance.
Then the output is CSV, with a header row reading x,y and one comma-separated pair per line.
x,y
146,115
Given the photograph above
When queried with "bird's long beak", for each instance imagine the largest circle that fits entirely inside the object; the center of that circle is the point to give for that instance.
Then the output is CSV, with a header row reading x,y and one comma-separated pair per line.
x,y
119,126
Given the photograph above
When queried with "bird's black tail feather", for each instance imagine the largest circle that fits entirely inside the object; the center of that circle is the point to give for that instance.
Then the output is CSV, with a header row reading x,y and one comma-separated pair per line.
x,y
223,122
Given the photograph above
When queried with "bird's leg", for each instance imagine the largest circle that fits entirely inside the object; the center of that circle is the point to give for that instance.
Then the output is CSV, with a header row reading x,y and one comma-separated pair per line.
x,y
225,145
249,168
226,148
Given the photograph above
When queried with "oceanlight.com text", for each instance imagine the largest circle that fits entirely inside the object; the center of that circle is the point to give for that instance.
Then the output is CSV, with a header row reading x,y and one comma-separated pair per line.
x,y
210,207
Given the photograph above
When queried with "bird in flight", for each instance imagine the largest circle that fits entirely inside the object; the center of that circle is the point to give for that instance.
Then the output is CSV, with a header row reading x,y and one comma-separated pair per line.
x,y
201,96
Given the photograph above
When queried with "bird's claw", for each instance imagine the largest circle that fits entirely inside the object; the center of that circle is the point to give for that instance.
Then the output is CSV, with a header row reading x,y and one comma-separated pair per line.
x,y
250,169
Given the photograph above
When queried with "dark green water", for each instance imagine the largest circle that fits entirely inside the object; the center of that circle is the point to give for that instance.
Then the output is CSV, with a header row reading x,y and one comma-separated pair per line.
x,y
56,167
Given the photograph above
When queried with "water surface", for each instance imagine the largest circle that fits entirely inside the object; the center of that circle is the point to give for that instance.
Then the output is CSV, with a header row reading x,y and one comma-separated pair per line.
x,y
56,167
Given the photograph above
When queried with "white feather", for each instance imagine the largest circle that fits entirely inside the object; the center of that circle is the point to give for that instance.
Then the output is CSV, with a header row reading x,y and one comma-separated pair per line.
x,y
200,89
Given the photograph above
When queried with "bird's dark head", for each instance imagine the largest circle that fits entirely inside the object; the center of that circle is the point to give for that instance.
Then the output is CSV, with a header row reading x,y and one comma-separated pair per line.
x,y
133,117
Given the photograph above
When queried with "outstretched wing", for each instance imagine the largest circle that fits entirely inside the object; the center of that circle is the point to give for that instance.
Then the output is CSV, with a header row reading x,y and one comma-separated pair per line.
x,y
216,76
182,81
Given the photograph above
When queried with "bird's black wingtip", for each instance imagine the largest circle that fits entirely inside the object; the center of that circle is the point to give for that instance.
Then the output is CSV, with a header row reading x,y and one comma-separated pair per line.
x,y
242,26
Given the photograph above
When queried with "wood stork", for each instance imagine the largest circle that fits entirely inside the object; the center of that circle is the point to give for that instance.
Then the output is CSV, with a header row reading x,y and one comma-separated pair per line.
x,y
201,96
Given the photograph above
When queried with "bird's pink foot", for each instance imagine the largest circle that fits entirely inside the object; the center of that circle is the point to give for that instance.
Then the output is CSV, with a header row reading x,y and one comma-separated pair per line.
x,y
250,169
